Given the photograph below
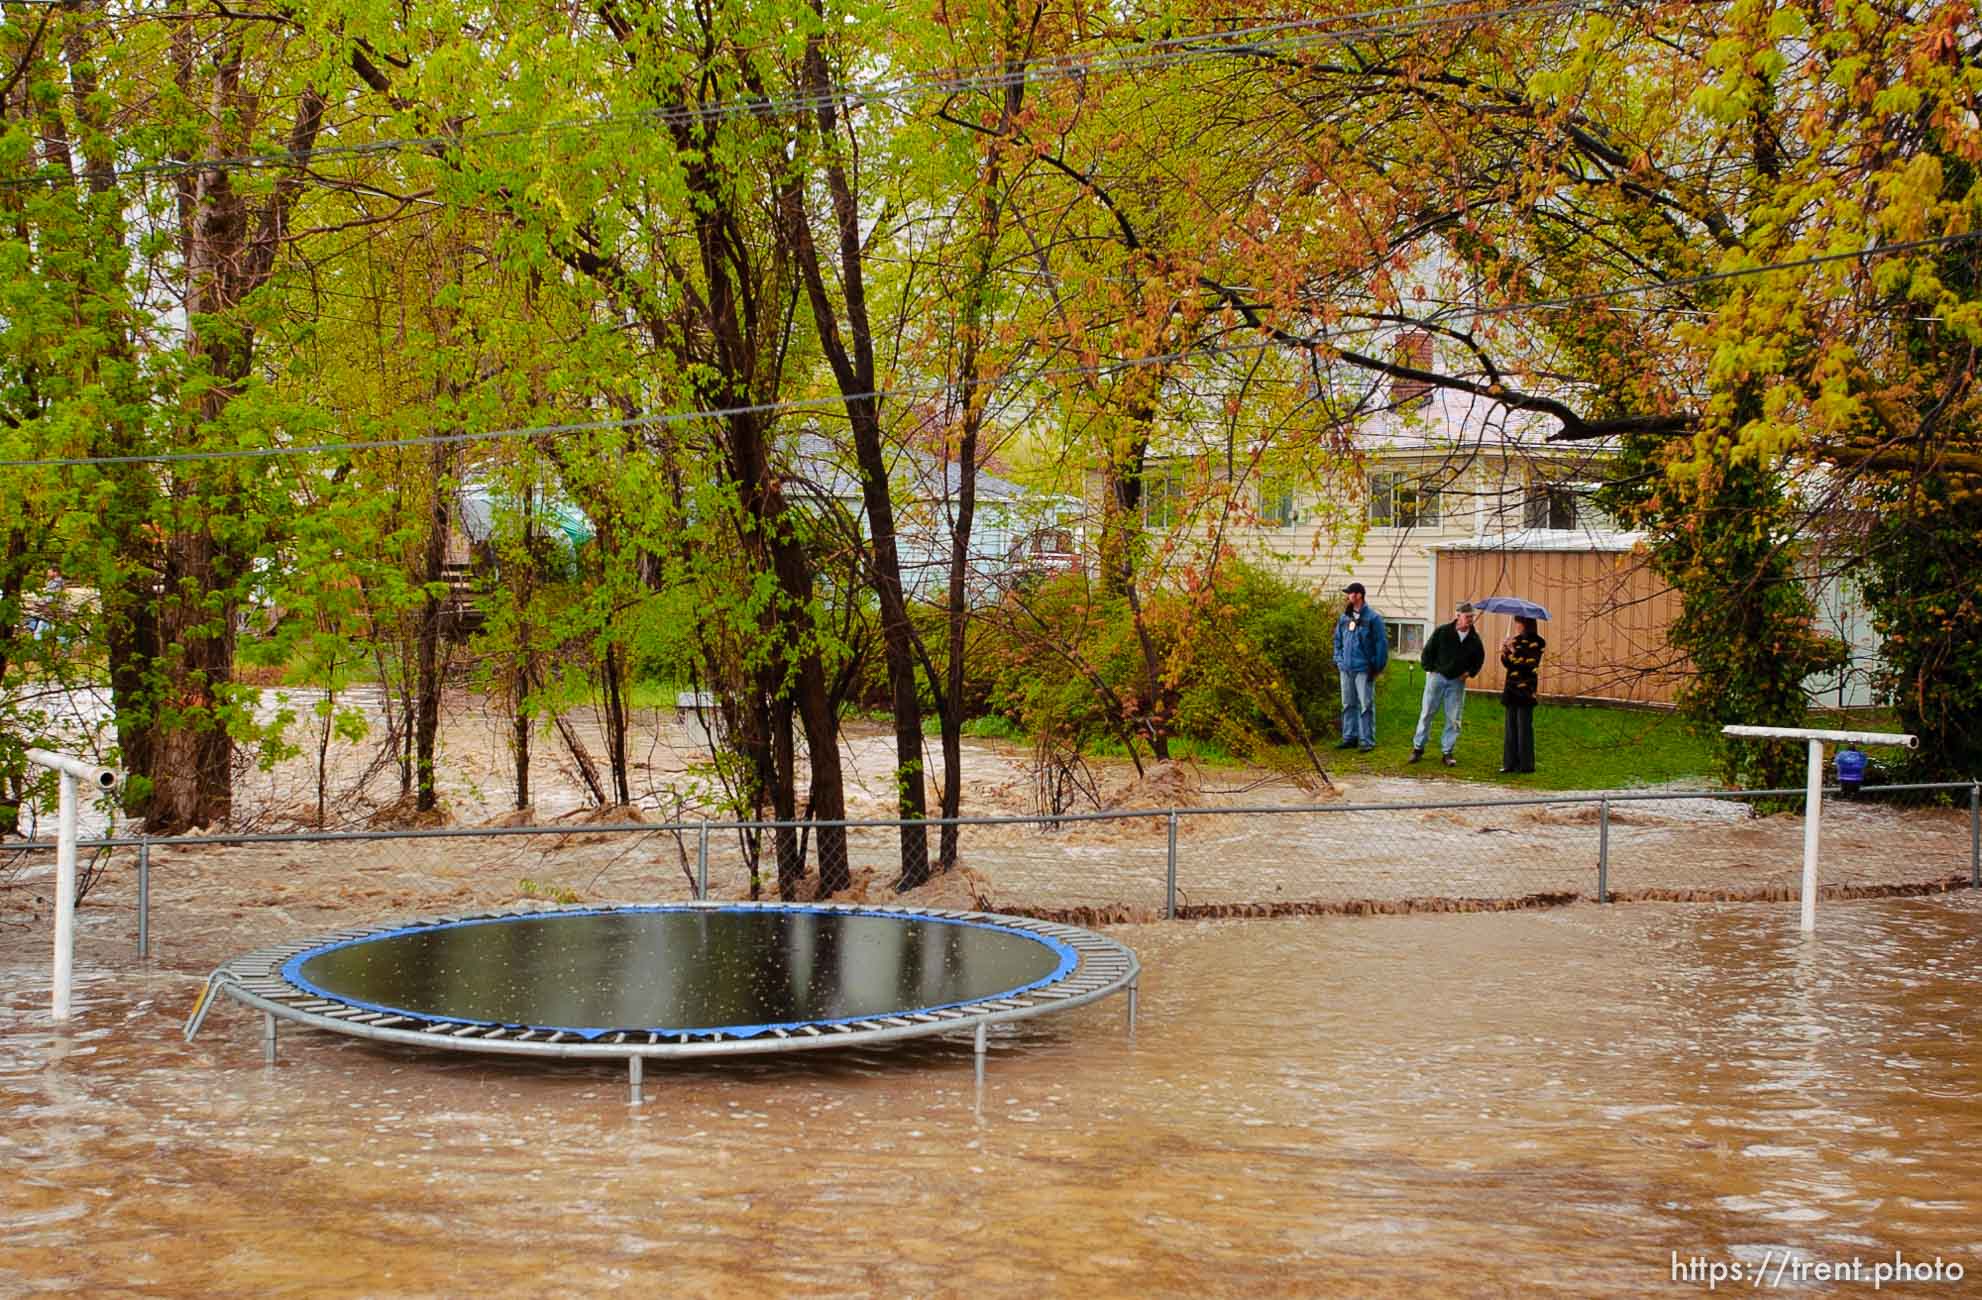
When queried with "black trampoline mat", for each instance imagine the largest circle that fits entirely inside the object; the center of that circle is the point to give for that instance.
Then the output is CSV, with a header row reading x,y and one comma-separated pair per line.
x,y
687,969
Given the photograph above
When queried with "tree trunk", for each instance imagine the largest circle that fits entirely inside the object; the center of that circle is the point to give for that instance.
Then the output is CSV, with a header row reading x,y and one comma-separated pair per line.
x,y
519,734
613,669
950,700
853,368
228,253
426,722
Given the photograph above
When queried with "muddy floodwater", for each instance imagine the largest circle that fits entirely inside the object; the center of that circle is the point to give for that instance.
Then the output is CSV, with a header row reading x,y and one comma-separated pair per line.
x,y
1588,1100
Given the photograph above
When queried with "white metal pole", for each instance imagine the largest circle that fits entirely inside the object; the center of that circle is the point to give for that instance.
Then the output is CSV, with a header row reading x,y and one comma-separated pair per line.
x,y
65,895
1813,810
1814,796
70,769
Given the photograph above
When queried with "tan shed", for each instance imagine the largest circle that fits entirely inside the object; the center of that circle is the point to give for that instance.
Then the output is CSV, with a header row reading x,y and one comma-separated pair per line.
x,y
1608,611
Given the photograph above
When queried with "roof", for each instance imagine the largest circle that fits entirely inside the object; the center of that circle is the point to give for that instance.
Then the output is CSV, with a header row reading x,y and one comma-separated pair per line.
x,y
830,467
1606,540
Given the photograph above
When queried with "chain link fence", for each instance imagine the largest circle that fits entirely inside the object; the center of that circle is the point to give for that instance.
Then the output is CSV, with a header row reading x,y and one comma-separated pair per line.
x,y
1483,854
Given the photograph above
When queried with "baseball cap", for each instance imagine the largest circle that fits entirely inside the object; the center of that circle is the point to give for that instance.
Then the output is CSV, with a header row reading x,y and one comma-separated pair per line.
x,y
1355,587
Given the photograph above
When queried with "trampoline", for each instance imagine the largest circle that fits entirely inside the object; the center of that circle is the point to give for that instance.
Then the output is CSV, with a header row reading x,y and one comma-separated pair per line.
x,y
675,980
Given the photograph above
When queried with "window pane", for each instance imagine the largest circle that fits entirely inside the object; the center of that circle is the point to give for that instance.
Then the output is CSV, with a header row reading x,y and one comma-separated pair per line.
x,y
1401,501
1276,501
1404,638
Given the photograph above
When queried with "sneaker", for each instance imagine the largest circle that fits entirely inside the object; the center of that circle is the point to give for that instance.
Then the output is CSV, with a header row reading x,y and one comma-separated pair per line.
x,y
1348,742
1367,748
1417,752
1448,760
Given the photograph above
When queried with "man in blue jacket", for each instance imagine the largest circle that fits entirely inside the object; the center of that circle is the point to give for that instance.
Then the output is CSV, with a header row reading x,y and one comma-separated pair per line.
x,y
1362,652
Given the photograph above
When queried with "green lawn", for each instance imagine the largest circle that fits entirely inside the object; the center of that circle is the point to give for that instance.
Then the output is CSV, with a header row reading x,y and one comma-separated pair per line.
x,y
1577,746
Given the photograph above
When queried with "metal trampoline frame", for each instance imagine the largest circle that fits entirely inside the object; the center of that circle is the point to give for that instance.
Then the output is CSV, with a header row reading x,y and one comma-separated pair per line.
x,y
1101,967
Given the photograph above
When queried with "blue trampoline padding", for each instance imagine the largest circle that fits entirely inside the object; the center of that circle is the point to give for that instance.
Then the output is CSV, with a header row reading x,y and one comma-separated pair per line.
x,y
1065,961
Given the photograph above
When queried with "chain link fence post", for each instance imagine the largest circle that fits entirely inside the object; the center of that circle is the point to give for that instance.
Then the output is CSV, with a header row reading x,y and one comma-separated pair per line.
x,y
1170,884
144,897
1603,851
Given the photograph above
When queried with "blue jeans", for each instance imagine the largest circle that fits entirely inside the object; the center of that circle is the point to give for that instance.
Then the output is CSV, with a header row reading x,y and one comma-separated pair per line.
x,y
1446,692
1358,708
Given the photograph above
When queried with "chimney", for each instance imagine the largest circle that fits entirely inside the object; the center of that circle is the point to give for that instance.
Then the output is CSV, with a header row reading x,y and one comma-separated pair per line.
x,y
1413,350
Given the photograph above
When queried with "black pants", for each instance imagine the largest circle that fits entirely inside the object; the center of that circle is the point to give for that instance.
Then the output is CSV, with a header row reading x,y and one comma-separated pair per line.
x,y
1517,742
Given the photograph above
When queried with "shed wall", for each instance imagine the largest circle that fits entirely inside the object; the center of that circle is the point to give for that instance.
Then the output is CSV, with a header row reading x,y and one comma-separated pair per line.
x,y
1606,633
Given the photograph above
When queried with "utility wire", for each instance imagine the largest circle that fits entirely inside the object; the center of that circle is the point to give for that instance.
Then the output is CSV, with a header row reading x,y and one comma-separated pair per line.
x,y
935,390
1170,51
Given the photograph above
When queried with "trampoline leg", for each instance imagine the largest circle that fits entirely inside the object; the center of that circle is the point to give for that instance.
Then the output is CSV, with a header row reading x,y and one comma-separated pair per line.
x,y
268,1038
980,1054
633,1078
1132,1008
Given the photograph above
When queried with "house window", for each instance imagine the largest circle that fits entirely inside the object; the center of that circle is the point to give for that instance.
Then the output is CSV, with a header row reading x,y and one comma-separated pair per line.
x,y
1549,505
1404,638
1562,506
1400,500
1164,499
1276,501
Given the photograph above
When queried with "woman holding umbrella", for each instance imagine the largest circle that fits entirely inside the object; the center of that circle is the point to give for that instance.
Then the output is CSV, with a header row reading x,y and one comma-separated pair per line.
x,y
1521,656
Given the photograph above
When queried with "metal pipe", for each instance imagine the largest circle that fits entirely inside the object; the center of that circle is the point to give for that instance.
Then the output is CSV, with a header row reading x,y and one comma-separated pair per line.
x,y
268,1038
69,770
702,863
65,894
1132,1007
1975,835
653,828
1603,851
1813,815
633,1077
1811,733
103,778
1170,885
144,898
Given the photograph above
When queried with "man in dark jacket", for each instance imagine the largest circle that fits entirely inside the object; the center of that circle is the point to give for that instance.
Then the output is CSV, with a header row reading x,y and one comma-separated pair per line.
x,y
1454,653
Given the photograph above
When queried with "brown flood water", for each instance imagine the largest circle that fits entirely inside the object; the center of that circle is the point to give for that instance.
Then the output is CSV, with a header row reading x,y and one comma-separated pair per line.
x,y
1531,1102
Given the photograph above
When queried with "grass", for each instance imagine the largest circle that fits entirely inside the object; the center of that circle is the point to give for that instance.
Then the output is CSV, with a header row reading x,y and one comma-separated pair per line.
x,y
1577,746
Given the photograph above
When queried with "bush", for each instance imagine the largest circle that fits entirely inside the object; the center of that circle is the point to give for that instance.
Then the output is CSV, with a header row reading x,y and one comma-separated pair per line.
x,y
1242,665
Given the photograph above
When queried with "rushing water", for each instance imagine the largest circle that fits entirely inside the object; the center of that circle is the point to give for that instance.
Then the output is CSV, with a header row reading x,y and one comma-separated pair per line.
x,y
1551,1102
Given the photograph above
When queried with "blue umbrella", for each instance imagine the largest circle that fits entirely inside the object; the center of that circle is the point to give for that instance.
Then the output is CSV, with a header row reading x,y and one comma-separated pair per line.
x,y
1510,605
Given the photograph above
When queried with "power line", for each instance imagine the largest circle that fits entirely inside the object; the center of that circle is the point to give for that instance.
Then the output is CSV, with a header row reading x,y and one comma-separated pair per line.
x,y
936,390
1169,51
